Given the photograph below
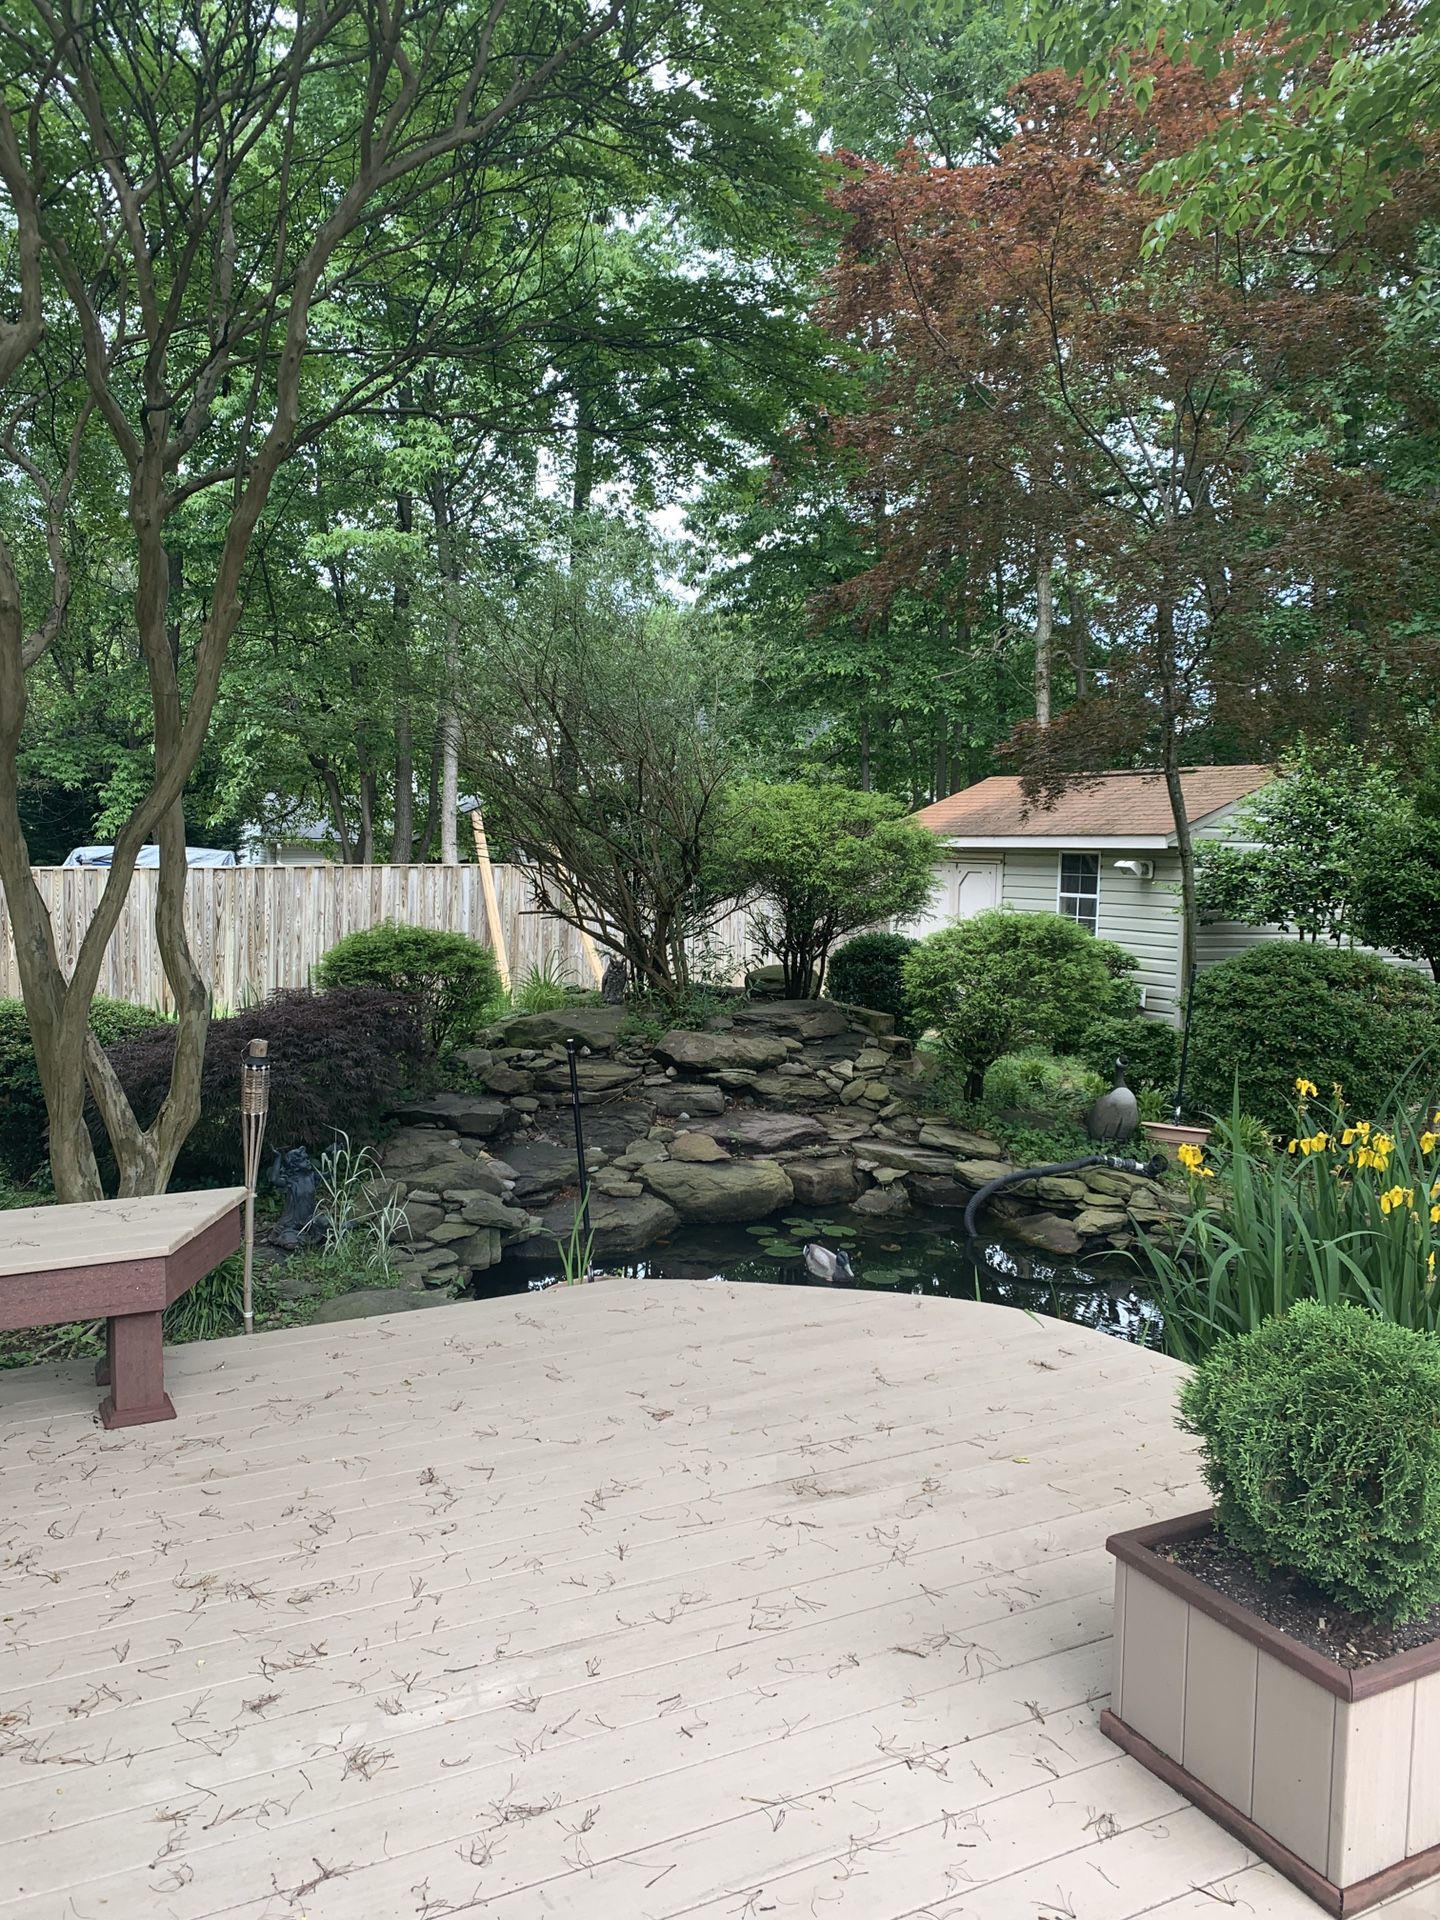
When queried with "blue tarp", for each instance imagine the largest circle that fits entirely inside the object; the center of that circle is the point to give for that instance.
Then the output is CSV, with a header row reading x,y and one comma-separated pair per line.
x,y
150,857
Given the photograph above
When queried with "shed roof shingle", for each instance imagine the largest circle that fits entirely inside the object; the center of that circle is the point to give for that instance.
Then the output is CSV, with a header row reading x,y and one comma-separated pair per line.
x,y
1108,805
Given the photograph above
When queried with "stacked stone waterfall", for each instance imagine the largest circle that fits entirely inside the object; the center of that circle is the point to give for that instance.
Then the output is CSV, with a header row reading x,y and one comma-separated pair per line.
x,y
786,1103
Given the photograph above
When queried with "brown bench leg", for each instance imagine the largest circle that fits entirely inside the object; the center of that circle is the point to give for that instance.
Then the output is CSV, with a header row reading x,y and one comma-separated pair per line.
x,y
135,1362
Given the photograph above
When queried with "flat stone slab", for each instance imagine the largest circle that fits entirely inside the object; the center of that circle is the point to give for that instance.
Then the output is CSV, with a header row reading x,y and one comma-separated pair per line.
x,y
705,1052
747,1130
467,1113
594,1027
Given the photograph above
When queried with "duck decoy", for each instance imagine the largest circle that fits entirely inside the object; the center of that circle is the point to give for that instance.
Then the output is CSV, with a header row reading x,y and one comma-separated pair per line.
x,y
821,1263
1116,1114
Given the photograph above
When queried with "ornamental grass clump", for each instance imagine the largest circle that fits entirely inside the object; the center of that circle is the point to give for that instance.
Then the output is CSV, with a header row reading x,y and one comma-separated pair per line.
x,y
1321,1436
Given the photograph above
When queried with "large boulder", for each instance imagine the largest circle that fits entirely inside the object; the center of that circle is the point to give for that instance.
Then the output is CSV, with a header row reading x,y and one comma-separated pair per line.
x,y
706,1052
940,1190
883,1201
735,1190
595,1027
450,1168
621,1224
823,1183
699,1149
1047,1231
539,1168
468,1113
751,1131
801,1019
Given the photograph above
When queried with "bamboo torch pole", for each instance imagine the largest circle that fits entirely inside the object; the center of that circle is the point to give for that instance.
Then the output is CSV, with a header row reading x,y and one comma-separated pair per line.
x,y
254,1106
492,905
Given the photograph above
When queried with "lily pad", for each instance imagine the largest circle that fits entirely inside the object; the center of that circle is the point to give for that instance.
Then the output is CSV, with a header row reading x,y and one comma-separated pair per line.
x,y
782,1249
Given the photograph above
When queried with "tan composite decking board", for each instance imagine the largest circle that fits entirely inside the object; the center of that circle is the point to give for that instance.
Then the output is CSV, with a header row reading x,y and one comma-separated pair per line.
x,y
641,1600
44,1239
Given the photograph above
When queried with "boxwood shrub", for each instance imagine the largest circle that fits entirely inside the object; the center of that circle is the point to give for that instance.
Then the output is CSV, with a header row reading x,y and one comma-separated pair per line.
x,y
1287,1009
1150,1049
1321,1438
869,971
451,978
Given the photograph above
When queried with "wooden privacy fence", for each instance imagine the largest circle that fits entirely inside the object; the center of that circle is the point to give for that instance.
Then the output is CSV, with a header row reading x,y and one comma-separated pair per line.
x,y
254,930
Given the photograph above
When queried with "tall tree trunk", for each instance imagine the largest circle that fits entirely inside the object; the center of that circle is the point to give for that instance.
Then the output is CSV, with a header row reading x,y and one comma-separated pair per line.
x,y
335,800
583,485
447,554
402,847
1044,626
432,802
365,841
1079,625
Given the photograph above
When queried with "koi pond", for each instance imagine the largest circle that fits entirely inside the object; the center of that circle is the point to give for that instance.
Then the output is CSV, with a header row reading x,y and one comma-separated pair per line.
x,y
922,1254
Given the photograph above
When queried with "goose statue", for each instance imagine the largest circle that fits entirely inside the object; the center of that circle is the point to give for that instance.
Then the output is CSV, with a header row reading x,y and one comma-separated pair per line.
x,y
823,1264
1115,1115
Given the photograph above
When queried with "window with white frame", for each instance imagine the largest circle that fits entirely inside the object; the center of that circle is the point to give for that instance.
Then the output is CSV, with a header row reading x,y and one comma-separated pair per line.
x,y
1080,888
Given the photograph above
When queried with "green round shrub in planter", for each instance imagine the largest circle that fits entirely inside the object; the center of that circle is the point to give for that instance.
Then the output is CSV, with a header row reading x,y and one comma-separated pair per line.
x,y
869,971
1321,1435
451,979
1287,1009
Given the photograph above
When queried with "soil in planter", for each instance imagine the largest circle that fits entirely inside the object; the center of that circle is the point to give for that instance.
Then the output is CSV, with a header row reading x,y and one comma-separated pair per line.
x,y
1295,1607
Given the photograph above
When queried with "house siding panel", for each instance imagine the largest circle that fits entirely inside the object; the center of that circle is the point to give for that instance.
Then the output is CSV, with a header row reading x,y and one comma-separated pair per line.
x,y
1140,915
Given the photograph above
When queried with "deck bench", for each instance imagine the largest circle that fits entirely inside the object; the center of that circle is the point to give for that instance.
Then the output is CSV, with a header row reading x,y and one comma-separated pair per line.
x,y
122,1261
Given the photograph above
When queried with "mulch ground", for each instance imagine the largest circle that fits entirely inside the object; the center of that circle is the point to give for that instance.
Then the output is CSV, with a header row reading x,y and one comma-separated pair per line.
x,y
1295,1607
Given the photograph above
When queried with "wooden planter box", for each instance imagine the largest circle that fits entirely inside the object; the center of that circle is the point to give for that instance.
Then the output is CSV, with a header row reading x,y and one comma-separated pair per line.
x,y
1330,1774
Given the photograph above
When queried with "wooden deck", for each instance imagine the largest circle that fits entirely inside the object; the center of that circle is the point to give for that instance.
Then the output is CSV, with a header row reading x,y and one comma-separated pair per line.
x,y
647,1599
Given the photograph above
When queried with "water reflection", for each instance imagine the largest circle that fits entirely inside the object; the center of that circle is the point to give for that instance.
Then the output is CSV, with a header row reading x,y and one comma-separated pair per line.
x,y
925,1255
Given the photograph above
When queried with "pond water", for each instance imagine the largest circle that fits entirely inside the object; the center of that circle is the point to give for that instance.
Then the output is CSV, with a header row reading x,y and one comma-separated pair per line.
x,y
927,1253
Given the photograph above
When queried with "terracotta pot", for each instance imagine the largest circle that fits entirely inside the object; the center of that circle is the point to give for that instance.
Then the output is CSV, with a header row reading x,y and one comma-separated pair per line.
x,y
1167,1135
1332,1774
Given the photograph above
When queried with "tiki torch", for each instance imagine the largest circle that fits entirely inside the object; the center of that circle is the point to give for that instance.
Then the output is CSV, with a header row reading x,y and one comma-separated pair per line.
x,y
254,1106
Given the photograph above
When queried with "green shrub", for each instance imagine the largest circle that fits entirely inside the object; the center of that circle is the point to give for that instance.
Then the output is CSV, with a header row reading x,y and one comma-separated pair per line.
x,y
815,863
1004,981
451,978
1285,1010
1062,1087
869,971
1149,1048
22,1104
338,1061
1321,1436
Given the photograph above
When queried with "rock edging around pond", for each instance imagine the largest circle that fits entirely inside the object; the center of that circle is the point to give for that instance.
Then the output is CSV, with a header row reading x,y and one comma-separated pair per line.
x,y
787,1103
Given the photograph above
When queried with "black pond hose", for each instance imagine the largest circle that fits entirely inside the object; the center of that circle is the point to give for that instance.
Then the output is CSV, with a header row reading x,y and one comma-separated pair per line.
x,y
1113,1160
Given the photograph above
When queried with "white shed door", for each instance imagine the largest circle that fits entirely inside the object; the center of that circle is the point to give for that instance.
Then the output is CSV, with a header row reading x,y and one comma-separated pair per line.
x,y
962,888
